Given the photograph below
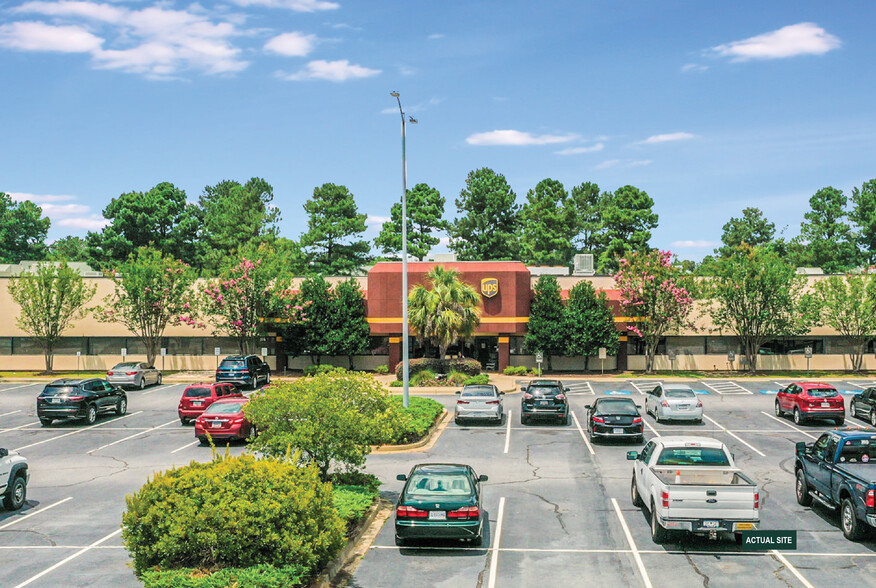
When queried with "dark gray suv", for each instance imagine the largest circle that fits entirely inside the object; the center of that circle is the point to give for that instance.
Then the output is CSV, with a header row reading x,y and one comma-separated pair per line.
x,y
246,370
80,399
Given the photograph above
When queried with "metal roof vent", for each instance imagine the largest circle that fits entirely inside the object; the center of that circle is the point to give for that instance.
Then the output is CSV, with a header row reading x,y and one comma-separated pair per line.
x,y
583,265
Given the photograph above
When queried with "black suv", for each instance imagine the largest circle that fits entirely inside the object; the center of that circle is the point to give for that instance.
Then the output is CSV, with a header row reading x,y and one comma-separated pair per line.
x,y
80,399
544,398
246,370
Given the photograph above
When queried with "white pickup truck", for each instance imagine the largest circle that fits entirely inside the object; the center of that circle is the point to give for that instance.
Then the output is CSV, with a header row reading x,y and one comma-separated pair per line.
x,y
13,479
692,484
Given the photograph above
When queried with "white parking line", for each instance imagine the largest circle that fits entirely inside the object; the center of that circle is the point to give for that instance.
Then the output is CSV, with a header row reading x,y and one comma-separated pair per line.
x,y
645,386
17,387
157,389
30,514
508,433
737,437
788,565
185,446
727,388
790,426
21,427
653,430
583,436
65,560
494,556
632,544
8,413
78,431
134,435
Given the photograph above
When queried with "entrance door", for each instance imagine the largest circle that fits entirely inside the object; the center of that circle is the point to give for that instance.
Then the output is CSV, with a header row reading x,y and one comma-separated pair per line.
x,y
487,352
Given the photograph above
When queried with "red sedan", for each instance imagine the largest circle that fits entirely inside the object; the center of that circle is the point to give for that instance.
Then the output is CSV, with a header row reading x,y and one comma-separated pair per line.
x,y
811,400
224,420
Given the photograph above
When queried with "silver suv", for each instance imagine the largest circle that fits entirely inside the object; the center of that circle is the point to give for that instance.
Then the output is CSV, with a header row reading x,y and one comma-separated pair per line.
x,y
13,479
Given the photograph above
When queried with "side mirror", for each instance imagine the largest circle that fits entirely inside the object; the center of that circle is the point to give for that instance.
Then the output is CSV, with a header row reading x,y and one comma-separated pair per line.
x,y
401,477
459,391
632,455
800,447
587,406
3,452
567,389
638,406
501,394
524,388
483,478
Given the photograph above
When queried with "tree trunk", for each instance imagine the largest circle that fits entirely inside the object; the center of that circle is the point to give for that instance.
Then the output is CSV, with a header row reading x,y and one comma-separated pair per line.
x,y
151,351
550,365
751,355
50,357
350,357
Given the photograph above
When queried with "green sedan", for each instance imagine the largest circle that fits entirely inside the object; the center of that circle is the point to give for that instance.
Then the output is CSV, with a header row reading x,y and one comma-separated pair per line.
x,y
440,501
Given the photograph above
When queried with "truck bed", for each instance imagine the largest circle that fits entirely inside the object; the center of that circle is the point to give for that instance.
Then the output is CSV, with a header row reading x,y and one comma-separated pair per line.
x,y
706,476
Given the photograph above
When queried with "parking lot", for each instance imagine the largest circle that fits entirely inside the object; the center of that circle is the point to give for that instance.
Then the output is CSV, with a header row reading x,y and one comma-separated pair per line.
x,y
558,506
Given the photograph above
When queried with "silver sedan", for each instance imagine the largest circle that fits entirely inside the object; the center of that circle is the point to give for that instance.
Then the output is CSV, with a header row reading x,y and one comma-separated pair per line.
x,y
133,375
479,402
674,402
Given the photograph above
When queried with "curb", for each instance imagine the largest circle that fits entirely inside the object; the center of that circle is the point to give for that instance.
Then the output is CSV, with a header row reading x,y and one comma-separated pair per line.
x,y
428,440
338,571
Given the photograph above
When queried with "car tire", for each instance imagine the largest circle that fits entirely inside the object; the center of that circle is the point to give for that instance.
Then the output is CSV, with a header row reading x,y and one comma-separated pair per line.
x,y
656,417
400,542
852,528
90,414
565,420
45,422
840,421
16,495
852,412
798,418
142,384
121,407
158,382
477,541
779,412
801,489
203,440
634,494
873,417
253,433
184,421
524,420
254,382
267,379
659,534
699,421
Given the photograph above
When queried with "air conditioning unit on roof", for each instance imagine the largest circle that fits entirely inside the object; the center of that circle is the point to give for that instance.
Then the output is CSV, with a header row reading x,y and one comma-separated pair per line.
x,y
583,265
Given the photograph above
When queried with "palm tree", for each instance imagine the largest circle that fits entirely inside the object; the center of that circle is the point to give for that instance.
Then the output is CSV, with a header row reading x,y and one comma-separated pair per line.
x,y
446,313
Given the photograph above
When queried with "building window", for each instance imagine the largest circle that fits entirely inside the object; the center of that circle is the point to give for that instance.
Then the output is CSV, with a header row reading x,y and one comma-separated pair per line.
x,y
686,345
5,345
636,346
793,346
378,345
722,345
517,346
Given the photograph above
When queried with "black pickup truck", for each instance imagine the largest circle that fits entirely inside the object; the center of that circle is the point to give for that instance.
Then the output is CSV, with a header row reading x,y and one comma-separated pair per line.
x,y
839,471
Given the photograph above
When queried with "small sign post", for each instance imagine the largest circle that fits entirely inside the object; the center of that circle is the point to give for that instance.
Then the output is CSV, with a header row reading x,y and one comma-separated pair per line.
x,y
539,358
216,352
671,354
163,354
808,352
78,355
731,357
264,352
603,353
124,352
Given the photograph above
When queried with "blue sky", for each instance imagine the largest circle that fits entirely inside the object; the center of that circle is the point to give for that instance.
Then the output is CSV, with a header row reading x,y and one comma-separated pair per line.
x,y
709,107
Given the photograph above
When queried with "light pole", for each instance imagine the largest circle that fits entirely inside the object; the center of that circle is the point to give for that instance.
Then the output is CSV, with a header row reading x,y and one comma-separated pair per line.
x,y
404,220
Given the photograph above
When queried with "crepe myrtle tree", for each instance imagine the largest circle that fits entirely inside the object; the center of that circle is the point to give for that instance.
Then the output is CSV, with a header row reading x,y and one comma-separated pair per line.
x,y
655,294
238,303
152,291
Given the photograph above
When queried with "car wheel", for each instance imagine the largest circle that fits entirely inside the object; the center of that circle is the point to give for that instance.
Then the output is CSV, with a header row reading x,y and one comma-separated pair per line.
x,y
840,421
852,527
699,421
142,383
659,534
852,409
798,418
254,382
45,422
873,417
17,494
158,382
656,417
565,420
253,433
90,414
400,542
634,494
802,490
456,421
121,406
203,440
268,379
779,411
184,421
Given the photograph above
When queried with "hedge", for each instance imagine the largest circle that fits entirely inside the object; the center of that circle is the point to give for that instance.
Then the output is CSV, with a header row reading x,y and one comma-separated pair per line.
x,y
469,367
260,576
416,419
313,370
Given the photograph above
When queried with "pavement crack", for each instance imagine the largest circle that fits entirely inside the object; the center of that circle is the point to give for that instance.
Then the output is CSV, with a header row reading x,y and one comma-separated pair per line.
x,y
42,536
697,570
557,511
778,570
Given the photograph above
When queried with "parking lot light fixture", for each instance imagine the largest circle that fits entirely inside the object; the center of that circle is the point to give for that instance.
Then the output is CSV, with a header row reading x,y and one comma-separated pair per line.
x,y
404,223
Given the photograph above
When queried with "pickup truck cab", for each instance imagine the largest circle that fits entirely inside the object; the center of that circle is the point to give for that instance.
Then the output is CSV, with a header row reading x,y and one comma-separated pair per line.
x,y
839,471
13,479
692,484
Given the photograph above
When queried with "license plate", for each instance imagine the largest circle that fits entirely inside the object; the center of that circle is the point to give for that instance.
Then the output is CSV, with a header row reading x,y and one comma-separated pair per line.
x,y
542,402
215,424
617,431
744,526
710,524
197,403
825,405
57,400
437,515
683,406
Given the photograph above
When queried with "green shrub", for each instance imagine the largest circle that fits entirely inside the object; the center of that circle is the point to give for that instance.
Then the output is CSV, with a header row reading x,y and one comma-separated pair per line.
x,y
423,378
233,512
382,369
510,371
415,420
355,478
313,370
396,384
259,576
353,502
519,370
479,379
456,378
472,367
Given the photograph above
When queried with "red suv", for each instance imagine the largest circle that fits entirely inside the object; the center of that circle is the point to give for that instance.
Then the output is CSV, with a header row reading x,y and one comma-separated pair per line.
x,y
811,400
224,420
197,397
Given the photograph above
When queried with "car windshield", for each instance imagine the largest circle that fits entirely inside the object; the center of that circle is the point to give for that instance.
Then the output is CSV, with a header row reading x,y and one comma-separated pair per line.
x,y
680,394
616,407
439,485
544,390
821,392
859,451
224,408
197,393
53,390
480,391
126,366
233,363
710,456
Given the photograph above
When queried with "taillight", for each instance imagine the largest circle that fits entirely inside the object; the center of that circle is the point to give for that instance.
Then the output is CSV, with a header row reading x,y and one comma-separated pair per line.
x,y
871,499
664,496
237,421
410,512
466,512
699,403
462,402
75,398
527,396
109,373
599,420
560,396
756,500
637,420
130,373
492,402
665,404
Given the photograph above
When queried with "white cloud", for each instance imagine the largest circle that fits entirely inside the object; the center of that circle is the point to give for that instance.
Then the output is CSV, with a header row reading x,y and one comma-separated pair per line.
x,y
608,163
639,163
296,5
376,220
92,223
420,107
72,215
291,44
38,36
805,38
58,210
40,198
577,150
691,244
512,137
407,70
435,36
666,138
333,71
693,67
443,241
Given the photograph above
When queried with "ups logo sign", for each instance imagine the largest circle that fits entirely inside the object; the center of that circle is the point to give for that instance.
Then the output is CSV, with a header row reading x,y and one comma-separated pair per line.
x,y
489,287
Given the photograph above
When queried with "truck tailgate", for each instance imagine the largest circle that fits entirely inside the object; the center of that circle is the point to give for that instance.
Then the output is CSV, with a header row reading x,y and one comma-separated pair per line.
x,y
727,494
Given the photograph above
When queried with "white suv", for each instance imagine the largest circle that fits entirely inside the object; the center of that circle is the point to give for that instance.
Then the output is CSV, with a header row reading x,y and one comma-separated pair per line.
x,y
13,479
